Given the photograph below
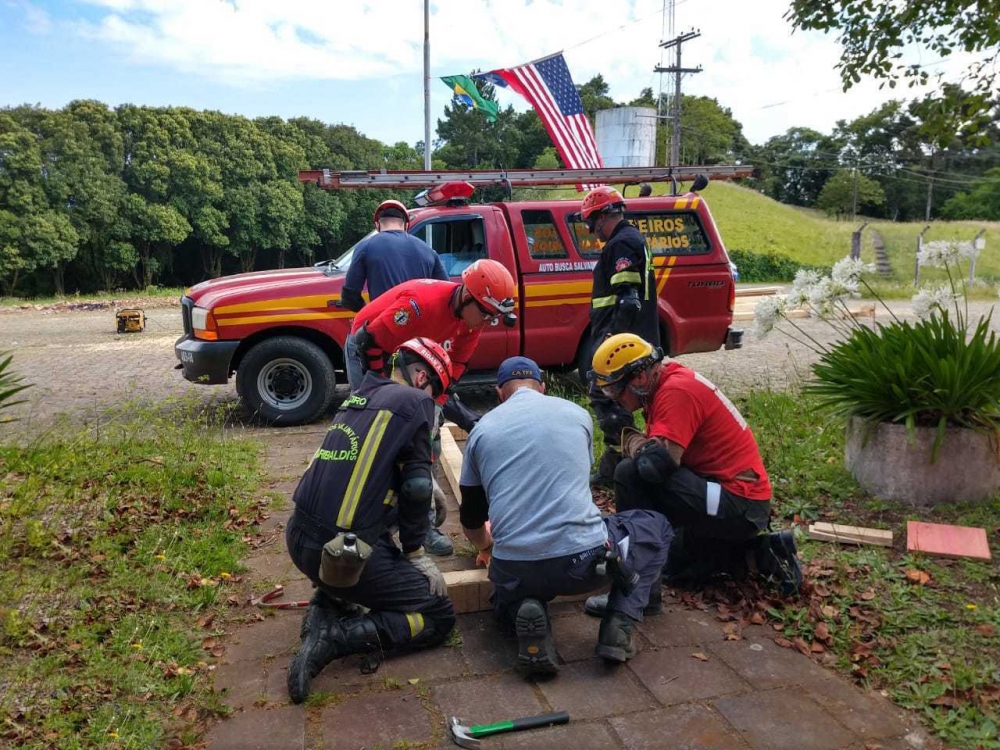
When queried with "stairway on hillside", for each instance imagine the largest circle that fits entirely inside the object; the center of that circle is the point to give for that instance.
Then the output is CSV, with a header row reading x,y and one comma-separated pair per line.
x,y
881,257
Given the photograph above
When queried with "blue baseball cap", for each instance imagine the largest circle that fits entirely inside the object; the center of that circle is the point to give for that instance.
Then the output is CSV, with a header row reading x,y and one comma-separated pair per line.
x,y
518,368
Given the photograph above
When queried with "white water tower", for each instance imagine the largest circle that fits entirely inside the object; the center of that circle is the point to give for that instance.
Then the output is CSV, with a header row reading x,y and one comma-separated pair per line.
x,y
626,136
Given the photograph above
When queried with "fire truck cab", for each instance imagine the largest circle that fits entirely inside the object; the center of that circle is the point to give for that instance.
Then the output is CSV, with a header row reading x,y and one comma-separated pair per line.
x,y
282,332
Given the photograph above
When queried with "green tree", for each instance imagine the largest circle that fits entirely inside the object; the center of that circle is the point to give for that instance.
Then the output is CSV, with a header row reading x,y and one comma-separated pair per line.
x,y
981,201
795,165
874,35
548,159
153,229
837,195
595,96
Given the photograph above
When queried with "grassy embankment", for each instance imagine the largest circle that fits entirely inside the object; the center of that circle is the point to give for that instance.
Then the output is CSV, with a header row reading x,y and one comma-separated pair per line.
x,y
752,222
119,570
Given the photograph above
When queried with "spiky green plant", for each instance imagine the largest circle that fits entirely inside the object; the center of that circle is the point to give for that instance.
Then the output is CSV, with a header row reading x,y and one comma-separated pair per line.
x,y
10,385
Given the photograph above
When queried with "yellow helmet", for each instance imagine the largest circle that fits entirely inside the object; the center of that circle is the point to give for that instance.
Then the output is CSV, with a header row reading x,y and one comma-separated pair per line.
x,y
621,356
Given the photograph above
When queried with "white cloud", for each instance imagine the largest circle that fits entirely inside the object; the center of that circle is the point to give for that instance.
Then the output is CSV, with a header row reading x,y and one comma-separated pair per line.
x,y
751,58
36,20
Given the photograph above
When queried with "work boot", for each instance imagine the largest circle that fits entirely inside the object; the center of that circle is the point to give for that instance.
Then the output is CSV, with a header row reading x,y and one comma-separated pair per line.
x,y
776,557
615,641
437,544
605,474
536,653
320,632
597,606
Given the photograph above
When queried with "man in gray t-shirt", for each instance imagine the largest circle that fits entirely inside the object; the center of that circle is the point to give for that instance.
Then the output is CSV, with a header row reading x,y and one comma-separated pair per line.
x,y
526,470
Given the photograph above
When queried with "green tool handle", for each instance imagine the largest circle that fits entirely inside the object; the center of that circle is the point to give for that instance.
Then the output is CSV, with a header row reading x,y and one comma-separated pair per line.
x,y
525,722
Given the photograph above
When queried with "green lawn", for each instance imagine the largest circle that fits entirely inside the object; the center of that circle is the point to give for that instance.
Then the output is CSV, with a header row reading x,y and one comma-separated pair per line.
x,y
155,292
119,565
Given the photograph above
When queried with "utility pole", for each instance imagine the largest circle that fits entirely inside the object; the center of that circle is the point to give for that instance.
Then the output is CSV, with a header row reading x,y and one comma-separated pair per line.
x,y
427,85
854,199
675,116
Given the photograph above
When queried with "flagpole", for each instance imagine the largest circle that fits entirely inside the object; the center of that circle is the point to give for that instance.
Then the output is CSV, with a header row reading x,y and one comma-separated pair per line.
x,y
427,85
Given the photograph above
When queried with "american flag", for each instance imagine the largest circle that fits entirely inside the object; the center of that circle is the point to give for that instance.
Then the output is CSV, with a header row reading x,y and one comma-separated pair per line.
x,y
548,87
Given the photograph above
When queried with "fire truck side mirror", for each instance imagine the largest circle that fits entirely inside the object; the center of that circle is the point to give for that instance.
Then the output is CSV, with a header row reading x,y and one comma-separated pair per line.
x,y
700,183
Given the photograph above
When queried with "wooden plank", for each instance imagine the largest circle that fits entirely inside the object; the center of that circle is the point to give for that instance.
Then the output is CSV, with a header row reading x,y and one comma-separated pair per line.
x,y
451,460
835,532
757,291
943,540
469,591
744,315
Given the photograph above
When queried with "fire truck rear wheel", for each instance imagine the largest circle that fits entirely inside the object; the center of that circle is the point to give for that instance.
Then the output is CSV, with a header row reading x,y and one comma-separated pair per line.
x,y
286,381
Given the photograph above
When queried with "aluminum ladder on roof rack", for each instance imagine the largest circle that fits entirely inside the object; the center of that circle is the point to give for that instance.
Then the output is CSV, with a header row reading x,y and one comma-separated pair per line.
x,y
328,179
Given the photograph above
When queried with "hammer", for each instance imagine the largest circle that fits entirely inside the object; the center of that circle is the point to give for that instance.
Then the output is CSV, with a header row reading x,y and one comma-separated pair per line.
x,y
469,736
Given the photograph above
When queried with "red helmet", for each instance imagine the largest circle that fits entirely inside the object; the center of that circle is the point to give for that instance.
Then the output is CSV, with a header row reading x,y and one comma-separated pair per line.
x,y
491,285
397,209
434,355
598,200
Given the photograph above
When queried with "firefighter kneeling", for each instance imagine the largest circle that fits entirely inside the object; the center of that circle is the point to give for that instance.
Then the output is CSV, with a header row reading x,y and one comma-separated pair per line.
x,y
697,463
373,472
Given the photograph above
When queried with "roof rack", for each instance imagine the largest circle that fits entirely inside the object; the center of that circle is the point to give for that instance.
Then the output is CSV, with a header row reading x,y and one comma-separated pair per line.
x,y
329,179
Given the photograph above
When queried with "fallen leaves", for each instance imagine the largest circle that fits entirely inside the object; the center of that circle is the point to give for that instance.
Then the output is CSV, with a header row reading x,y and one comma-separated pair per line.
x,y
700,656
918,576
986,630
783,642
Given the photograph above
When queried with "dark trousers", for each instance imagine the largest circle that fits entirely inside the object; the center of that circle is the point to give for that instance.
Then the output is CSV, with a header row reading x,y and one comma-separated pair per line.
x,y
648,538
707,518
398,595
612,418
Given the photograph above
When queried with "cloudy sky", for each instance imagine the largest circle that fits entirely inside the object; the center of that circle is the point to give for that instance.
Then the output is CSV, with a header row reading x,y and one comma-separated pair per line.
x,y
361,61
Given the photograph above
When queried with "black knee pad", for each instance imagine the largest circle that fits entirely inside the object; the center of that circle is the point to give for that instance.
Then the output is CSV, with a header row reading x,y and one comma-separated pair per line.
x,y
654,463
418,489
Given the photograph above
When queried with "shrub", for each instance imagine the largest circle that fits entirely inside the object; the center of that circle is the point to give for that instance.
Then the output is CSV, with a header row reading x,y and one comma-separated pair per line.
x,y
759,267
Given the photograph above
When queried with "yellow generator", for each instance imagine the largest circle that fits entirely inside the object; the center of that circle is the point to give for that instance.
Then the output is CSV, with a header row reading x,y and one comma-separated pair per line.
x,y
131,321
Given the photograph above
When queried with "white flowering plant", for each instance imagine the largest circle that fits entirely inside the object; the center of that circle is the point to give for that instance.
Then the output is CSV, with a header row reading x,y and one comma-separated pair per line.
x,y
939,371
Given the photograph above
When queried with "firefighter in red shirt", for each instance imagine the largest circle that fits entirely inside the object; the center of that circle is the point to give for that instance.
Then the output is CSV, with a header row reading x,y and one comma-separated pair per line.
x,y
443,311
697,463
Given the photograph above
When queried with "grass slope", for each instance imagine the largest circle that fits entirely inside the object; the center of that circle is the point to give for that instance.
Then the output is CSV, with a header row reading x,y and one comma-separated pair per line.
x,y
751,221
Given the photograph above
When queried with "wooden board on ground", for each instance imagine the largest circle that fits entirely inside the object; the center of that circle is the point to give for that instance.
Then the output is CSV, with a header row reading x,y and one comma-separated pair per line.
x,y
451,458
746,313
469,591
757,291
835,532
943,540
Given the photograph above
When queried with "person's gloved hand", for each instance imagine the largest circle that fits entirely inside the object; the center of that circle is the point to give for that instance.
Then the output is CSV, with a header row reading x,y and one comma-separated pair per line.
x,y
459,413
632,439
440,506
425,565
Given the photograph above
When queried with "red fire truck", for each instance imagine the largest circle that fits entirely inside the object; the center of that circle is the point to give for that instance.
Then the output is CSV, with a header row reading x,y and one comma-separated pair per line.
x,y
282,332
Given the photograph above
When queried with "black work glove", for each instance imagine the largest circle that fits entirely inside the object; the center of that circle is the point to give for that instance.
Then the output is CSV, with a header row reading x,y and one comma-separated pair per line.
x,y
457,412
627,308
372,356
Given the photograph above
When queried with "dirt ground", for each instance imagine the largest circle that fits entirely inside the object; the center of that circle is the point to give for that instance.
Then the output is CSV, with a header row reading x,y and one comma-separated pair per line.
x,y
79,365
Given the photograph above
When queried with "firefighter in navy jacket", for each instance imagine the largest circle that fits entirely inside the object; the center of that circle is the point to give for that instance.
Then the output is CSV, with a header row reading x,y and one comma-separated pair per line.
x,y
373,473
623,300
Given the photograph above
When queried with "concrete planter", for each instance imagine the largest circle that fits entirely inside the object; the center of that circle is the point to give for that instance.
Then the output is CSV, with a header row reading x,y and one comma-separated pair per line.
x,y
890,467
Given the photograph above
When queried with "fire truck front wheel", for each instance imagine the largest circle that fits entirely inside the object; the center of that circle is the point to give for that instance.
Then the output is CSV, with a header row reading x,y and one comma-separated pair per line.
x,y
286,381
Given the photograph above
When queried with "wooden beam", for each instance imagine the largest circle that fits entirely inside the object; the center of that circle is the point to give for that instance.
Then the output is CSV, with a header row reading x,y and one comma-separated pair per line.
x,y
758,291
469,591
451,459
835,532
744,315
944,540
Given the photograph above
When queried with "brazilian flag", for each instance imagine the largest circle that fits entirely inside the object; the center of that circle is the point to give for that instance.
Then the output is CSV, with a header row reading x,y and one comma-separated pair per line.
x,y
467,93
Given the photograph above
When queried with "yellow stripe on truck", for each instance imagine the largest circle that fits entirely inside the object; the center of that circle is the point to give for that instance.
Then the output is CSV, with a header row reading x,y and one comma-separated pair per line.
x,y
560,301
221,322
662,276
550,289
285,303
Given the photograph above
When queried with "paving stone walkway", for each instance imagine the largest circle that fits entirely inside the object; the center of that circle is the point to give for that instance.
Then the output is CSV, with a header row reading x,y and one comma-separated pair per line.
x,y
747,694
